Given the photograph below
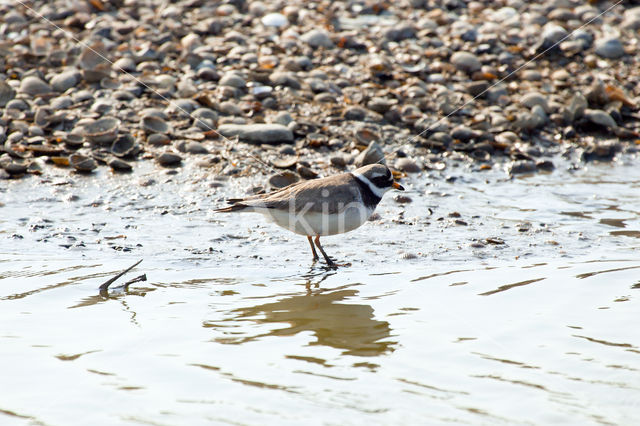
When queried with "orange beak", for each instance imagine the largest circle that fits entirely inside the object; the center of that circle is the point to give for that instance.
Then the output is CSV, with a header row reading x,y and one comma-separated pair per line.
x,y
396,185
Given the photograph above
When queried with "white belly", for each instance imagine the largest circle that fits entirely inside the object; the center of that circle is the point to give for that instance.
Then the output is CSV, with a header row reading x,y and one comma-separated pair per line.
x,y
314,223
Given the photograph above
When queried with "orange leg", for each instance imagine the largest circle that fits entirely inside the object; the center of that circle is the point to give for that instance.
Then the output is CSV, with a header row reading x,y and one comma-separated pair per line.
x,y
326,258
313,249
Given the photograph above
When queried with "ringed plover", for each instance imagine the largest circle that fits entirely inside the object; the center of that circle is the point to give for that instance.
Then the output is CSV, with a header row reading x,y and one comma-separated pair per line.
x,y
327,206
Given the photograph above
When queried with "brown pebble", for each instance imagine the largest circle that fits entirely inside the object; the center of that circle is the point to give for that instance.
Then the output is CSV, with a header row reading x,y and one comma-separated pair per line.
x,y
168,159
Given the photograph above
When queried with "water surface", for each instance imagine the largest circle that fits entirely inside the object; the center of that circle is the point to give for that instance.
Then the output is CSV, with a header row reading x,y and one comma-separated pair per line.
x,y
486,300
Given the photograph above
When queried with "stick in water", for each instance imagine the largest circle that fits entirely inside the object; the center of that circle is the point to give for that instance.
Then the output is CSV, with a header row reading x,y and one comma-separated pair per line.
x,y
106,285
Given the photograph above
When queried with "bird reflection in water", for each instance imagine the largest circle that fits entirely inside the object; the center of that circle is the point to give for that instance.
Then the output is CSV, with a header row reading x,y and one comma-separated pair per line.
x,y
347,326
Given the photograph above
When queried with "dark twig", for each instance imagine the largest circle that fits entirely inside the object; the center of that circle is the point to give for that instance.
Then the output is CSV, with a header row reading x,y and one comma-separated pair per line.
x,y
139,278
105,286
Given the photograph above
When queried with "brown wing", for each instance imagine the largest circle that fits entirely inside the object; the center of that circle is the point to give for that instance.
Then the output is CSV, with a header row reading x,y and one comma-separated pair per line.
x,y
331,194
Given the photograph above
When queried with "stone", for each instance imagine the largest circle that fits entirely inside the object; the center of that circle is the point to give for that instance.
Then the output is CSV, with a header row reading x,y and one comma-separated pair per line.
x,y
609,48
33,86
168,159
317,38
407,165
600,117
466,61
257,133
65,80
522,167
371,155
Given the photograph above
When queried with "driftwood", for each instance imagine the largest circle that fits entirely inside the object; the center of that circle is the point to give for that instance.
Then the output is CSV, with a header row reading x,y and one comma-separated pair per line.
x,y
104,287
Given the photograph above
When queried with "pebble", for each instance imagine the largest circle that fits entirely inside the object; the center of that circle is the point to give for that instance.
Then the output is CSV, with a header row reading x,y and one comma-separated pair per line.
x,y
600,117
552,34
283,118
192,147
354,113
283,179
118,164
338,161
408,165
65,80
167,159
371,155
258,133
126,63
317,38
284,78
370,76
34,86
462,133
158,139
522,167
609,48
402,199
233,79
466,61
277,20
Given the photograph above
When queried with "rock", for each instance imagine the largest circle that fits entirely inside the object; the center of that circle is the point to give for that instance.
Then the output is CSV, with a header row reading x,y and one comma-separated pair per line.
x,y
602,151
338,161
545,165
277,20
118,164
372,155
257,133
609,48
283,179
33,86
522,167
552,34
400,33
192,147
354,113
283,118
6,93
158,139
14,168
534,98
576,107
233,79
155,124
61,102
82,163
168,159
407,165
285,78
402,199
531,75
124,64
462,133
381,105
477,88
317,38
65,80
466,61
306,172
600,117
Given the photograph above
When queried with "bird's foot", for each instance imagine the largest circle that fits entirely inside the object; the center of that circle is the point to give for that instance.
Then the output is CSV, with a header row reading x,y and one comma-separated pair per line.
x,y
333,265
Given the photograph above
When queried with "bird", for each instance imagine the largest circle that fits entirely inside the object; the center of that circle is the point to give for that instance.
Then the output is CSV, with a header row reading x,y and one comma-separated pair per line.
x,y
320,207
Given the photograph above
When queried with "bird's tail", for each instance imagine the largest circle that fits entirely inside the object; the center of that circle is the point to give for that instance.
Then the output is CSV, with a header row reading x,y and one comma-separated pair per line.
x,y
233,208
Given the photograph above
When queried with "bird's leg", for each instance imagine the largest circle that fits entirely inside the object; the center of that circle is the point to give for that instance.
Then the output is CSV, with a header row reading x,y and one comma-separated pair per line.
x,y
313,249
326,258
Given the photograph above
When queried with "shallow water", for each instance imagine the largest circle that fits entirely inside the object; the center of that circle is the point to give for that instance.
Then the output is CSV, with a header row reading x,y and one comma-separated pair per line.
x,y
486,300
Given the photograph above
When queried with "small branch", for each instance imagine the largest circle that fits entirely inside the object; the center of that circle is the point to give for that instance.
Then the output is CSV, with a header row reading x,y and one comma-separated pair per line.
x,y
139,278
105,286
